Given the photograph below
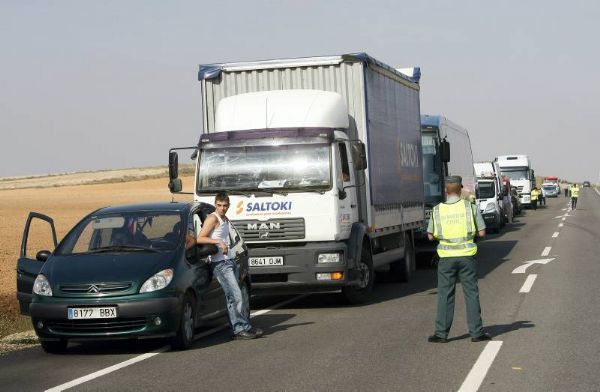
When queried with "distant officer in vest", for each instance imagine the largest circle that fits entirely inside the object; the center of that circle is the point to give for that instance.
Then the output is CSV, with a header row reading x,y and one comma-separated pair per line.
x,y
534,197
455,224
574,196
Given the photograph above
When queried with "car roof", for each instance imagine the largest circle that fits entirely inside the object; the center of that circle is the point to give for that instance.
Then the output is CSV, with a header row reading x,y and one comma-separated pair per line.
x,y
156,206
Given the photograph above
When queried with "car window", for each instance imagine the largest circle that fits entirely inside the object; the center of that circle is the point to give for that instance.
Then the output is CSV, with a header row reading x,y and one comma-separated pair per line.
x,y
133,229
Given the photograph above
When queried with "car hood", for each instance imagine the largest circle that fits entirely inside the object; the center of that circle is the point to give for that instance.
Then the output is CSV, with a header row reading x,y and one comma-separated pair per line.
x,y
106,267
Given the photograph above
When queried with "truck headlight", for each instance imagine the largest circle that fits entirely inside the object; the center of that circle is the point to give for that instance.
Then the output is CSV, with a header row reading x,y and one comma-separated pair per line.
x,y
41,286
325,258
158,281
490,208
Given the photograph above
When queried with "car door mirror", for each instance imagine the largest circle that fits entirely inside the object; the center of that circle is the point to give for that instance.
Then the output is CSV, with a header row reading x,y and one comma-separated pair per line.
x,y
206,250
43,255
359,156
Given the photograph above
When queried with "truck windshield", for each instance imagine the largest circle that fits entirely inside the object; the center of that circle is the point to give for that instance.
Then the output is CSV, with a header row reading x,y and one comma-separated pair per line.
x,y
263,167
520,173
431,169
486,189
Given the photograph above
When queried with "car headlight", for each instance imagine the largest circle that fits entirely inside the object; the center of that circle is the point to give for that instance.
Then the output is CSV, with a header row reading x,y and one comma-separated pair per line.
x,y
490,208
158,281
41,286
328,258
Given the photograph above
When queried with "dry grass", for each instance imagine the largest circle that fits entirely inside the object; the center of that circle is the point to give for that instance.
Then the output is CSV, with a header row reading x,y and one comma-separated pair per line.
x,y
66,205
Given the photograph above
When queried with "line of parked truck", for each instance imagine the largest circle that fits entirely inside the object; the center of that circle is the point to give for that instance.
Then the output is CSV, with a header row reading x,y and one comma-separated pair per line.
x,y
333,171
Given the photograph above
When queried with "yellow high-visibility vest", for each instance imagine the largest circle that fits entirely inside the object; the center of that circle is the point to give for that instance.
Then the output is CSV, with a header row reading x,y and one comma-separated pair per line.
x,y
534,195
575,191
454,227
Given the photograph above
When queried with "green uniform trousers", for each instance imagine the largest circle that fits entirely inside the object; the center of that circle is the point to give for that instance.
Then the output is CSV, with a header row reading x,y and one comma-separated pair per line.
x,y
449,269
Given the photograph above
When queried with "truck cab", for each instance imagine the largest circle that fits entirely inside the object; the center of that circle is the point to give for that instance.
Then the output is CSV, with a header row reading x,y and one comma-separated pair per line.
x,y
522,176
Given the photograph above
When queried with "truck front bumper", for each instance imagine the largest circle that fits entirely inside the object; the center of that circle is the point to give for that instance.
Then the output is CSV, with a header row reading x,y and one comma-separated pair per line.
x,y
300,271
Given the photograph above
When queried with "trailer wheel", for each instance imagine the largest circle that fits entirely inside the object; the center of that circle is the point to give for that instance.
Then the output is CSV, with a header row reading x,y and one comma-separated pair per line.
x,y
403,269
358,294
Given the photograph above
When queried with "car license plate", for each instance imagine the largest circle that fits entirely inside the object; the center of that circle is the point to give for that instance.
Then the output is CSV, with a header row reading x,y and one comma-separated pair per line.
x,y
92,313
265,261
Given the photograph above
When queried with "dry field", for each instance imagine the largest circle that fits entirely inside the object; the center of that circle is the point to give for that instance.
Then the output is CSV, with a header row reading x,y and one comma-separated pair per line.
x,y
66,205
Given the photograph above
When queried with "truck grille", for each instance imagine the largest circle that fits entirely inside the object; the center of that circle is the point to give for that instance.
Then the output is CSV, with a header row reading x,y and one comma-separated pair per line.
x,y
271,230
94,288
92,327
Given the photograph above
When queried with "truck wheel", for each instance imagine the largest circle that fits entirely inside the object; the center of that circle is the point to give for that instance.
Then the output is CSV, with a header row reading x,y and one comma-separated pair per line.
x,y
54,347
185,334
358,294
403,269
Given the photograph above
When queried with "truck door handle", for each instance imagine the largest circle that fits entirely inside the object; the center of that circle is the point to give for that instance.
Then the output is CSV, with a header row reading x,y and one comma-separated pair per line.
x,y
352,205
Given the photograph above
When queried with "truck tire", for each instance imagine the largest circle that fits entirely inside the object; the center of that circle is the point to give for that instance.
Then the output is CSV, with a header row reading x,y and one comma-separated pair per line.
x,y
402,270
54,347
185,334
360,293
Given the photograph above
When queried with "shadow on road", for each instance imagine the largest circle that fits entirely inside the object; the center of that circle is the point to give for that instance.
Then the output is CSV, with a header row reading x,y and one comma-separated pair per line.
x,y
499,329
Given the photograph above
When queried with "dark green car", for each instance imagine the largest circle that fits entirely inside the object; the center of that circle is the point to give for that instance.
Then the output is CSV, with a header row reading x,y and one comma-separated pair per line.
x,y
125,272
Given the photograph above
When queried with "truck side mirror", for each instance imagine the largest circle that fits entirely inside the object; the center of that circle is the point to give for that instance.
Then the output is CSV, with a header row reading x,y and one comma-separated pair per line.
x,y
359,156
173,165
445,151
175,185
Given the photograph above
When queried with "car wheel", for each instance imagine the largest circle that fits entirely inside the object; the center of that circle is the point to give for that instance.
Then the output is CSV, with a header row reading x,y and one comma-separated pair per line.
x,y
54,346
361,292
185,334
402,270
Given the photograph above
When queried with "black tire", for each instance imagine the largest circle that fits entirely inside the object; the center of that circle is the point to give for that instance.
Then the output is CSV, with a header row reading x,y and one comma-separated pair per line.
x,y
355,295
55,346
185,333
402,270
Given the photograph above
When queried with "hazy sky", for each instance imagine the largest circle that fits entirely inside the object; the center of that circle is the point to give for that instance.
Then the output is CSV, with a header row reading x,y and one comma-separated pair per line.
x,y
90,85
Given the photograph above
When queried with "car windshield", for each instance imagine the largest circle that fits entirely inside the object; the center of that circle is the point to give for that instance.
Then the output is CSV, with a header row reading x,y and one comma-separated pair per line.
x,y
265,167
549,187
132,231
486,190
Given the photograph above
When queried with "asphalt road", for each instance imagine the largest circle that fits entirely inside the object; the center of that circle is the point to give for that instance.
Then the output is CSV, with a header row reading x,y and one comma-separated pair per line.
x,y
544,319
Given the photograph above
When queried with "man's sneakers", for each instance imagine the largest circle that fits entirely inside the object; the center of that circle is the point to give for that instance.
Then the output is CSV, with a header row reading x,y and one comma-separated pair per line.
x,y
249,334
481,338
436,339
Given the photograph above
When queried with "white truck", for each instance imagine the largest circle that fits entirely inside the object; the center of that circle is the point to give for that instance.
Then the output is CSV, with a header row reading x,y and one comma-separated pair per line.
x,y
518,169
321,159
446,149
492,196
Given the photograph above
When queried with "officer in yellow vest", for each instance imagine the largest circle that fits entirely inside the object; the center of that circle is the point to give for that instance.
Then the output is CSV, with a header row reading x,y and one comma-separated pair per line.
x,y
455,224
534,197
574,196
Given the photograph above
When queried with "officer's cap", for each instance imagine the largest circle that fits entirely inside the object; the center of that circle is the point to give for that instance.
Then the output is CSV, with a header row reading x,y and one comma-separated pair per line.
x,y
454,180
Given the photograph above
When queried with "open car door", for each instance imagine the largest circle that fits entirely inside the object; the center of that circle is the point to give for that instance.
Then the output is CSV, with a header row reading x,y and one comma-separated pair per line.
x,y
28,266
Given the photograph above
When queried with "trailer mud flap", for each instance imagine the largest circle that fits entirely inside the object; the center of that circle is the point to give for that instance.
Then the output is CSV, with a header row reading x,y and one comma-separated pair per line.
x,y
357,234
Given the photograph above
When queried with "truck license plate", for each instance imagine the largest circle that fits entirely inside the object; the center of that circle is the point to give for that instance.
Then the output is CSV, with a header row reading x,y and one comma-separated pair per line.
x,y
265,261
92,313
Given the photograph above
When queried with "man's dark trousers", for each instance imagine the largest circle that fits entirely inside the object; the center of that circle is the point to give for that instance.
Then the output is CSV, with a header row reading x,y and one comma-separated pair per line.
x,y
449,269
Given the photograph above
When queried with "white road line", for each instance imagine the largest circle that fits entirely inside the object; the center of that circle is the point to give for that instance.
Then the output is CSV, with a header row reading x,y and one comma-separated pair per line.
x,y
561,224
145,356
564,219
481,367
556,233
528,283
523,268
107,370
546,251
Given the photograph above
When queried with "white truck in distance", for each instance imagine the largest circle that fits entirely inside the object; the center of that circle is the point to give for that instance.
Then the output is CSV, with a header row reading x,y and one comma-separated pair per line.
x,y
321,158
518,169
492,195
